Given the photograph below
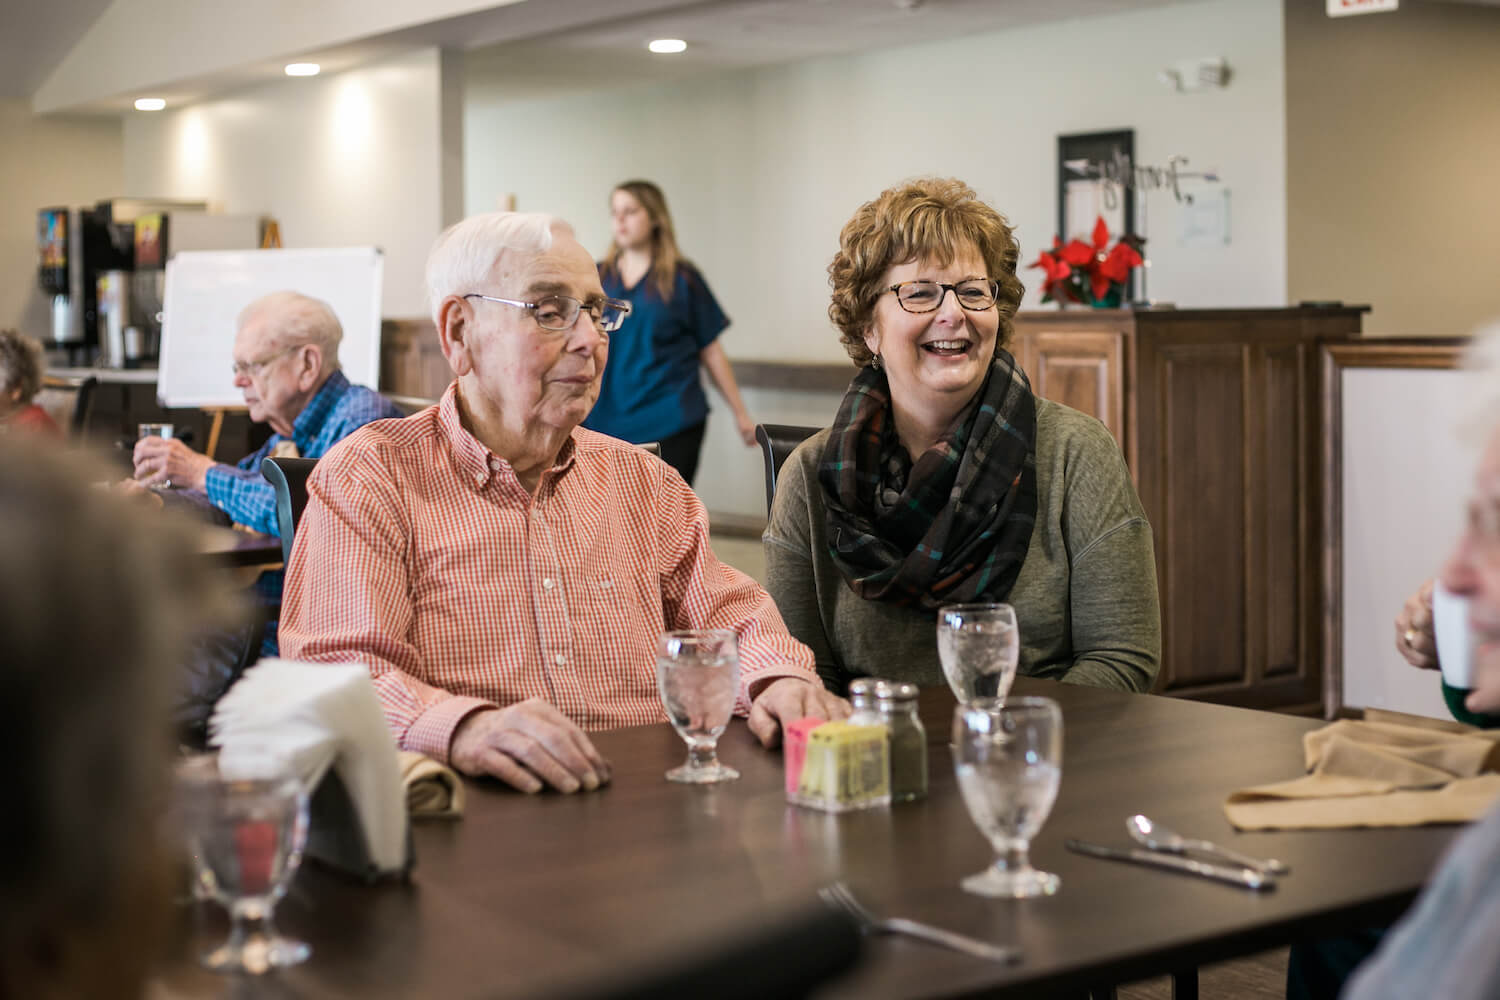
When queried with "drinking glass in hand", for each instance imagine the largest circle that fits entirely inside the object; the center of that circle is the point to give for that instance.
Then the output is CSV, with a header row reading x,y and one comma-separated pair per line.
x,y
167,431
246,822
1008,758
698,674
978,645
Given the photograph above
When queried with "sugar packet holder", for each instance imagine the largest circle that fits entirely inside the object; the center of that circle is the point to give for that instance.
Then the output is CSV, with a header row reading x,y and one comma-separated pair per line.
x,y
836,766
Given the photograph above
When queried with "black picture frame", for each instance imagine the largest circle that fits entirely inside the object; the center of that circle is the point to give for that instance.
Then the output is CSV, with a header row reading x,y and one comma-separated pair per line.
x,y
1096,166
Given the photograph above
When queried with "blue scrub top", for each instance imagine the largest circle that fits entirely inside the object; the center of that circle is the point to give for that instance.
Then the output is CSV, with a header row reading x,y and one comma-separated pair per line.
x,y
651,387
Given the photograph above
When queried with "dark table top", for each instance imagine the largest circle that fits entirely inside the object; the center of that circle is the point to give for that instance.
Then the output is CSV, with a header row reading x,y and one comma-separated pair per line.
x,y
231,547
526,894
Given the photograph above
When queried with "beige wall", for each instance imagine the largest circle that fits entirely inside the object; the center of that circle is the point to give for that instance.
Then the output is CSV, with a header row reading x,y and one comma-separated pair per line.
x,y
348,159
44,162
1393,137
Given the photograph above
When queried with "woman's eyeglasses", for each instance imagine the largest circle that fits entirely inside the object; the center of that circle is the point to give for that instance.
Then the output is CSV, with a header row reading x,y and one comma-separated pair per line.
x,y
975,294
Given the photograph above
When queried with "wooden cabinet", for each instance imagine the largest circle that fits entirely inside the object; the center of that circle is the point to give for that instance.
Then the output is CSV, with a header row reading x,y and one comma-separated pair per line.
x,y
1217,412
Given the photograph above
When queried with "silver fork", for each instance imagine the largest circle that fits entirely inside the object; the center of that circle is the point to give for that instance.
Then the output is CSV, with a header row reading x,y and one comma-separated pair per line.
x,y
838,896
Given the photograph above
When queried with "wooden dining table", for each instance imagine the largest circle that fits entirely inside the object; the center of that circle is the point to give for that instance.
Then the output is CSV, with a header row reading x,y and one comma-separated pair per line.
x,y
230,547
534,895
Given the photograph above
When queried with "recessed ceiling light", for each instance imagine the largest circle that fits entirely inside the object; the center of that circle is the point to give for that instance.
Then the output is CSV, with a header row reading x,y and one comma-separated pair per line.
x,y
663,46
149,103
302,69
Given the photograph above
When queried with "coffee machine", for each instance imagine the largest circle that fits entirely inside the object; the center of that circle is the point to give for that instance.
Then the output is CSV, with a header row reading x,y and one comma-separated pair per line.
x,y
103,268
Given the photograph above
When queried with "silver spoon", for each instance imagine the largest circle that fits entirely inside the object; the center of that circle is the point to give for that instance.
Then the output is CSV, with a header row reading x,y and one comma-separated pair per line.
x,y
1160,838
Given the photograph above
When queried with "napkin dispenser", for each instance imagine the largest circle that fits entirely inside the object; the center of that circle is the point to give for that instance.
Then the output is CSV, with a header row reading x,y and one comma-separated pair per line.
x,y
336,838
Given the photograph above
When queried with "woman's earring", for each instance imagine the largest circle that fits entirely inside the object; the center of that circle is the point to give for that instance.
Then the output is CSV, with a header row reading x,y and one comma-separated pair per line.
x,y
876,362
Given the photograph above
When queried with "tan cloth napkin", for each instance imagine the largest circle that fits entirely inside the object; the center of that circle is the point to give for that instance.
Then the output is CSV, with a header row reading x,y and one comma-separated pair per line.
x,y
432,789
1385,770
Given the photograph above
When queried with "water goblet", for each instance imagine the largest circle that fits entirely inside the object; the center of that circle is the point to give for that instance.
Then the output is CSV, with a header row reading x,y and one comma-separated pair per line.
x,y
978,646
1008,759
698,675
246,824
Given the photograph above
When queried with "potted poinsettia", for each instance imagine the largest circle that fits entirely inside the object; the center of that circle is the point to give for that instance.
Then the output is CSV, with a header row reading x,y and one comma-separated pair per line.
x,y
1089,275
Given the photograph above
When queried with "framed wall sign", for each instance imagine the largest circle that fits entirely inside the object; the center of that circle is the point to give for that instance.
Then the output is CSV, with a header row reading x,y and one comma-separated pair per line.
x,y
1093,181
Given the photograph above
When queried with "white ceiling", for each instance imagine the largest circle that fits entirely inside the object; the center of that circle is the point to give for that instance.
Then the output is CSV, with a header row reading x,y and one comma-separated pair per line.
x,y
552,46
35,35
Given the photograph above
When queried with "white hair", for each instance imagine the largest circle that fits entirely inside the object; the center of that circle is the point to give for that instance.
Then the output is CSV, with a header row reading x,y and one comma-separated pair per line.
x,y
1482,414
466,252
299,319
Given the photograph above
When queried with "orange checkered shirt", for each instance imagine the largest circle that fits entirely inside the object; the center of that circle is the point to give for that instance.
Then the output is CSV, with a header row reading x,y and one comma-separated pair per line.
x,y
422,556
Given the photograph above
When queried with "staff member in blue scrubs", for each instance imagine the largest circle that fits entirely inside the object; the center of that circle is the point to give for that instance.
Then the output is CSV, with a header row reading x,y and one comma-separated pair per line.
x,y
651,389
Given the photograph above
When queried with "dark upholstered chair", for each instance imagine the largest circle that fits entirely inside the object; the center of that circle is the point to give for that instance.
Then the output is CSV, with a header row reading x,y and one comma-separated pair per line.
x,y
409,404
289,476
68,400
777,441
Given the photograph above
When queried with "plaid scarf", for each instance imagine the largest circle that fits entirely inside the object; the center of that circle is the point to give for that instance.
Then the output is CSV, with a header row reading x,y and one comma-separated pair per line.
x,y
953,525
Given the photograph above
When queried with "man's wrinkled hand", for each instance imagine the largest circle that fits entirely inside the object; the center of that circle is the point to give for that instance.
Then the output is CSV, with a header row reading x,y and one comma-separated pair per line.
x,y
788,699
529,746
167,460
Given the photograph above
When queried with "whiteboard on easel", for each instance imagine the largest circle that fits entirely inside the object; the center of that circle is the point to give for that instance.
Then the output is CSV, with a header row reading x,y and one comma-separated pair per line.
x,y
206,290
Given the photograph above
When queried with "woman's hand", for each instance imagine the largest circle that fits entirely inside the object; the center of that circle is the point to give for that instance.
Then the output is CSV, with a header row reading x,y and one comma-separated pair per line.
x,y
1414,636
746,425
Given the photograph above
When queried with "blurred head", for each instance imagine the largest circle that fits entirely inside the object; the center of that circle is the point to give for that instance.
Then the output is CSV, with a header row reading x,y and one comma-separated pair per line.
x,y
286,346
641,222
509,366
83,722
21,366
1473,568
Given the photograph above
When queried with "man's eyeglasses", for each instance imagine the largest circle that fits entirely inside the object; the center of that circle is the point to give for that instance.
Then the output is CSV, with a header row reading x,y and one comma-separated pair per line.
x,y
559,312
975,294
255,368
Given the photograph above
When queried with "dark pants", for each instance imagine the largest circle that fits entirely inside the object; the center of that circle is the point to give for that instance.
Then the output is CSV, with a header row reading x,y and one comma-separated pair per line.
x,y
680,451
1318,969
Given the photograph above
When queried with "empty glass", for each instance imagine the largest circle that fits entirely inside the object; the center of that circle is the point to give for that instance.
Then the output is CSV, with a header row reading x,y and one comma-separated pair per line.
x,y
245,819
979,646
1008,758
698,675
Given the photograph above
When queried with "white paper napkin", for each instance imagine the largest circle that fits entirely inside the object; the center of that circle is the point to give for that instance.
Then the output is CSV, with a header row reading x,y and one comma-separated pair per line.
x,y
320,715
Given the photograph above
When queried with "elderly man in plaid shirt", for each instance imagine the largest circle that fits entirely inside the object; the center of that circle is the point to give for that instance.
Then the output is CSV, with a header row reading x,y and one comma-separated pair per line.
x,y
504,572
286,362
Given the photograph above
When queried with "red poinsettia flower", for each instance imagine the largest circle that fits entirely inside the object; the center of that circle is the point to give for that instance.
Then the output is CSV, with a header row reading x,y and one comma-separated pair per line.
x,y
1054,268
1083,272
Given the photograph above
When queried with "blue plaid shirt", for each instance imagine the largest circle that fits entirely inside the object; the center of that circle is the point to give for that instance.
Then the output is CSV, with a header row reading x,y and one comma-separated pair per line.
x,y
338,409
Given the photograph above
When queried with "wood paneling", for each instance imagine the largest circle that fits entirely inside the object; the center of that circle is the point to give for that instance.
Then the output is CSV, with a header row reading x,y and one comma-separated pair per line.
x,y
1080,368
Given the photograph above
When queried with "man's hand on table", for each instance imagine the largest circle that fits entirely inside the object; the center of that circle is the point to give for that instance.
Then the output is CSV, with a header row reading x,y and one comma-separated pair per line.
x,y
160,460
529,746
139,492
788,699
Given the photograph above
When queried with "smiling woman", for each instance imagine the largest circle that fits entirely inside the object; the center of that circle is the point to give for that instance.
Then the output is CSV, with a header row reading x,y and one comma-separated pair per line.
x,y
945,479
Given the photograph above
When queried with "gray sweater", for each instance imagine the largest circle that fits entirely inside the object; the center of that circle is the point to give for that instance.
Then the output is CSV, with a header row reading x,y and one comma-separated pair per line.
x,y
1085,599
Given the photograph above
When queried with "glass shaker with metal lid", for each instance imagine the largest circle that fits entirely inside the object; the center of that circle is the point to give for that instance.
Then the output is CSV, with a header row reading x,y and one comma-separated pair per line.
x,y
897,704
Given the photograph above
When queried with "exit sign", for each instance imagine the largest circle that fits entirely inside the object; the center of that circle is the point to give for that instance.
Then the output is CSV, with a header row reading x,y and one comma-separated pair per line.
x,y
1343,8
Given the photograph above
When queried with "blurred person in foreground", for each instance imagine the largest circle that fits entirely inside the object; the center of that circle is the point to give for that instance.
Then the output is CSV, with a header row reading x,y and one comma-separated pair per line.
x,y
95,598
22,363
945,479
1446,944
504,572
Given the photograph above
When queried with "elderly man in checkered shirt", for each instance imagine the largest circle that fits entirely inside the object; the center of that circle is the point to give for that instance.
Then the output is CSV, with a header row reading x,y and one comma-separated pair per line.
x,y
505,573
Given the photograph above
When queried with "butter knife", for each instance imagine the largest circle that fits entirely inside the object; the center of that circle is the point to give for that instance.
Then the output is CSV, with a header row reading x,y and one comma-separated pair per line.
x,y
1245,878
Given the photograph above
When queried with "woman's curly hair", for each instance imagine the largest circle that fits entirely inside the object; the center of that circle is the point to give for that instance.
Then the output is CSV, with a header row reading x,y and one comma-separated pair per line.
x,y
22,363
930,218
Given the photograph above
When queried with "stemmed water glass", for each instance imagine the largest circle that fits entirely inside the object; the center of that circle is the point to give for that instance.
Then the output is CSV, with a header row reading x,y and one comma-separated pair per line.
x,y
1008,758
698,675
245,821
979,646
